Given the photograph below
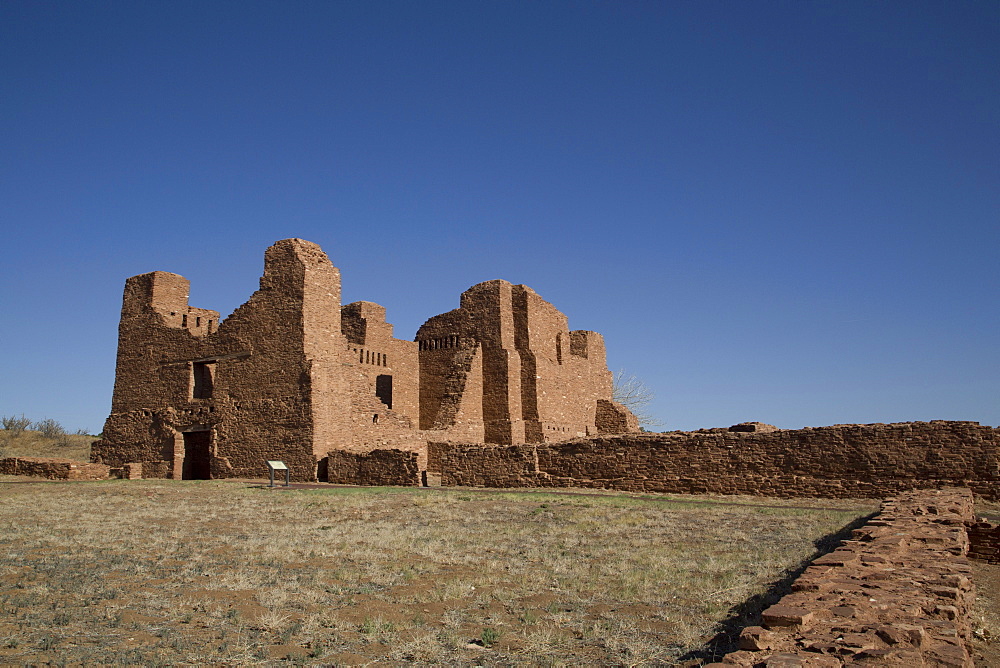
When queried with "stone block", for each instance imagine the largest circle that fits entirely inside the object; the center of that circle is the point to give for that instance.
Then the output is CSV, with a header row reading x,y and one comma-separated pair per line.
x,y
786,615
756,638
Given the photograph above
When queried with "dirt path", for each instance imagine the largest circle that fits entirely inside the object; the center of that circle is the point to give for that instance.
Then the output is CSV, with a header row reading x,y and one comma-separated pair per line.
x,y
986,615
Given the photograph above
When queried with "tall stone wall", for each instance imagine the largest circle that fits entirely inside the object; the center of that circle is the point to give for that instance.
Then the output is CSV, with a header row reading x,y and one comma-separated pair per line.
x,y
222,399
292,375
506,362
846,461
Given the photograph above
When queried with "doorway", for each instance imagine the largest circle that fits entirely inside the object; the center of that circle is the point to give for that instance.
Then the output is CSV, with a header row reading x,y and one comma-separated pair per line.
x,y
197,455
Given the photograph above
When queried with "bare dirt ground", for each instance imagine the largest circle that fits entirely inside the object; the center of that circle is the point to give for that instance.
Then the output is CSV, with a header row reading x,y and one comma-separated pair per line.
x,y
986,615
207,572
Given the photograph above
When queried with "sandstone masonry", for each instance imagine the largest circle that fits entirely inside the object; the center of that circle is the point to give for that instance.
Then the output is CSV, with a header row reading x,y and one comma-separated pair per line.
x,y
842,461
293,375
898,594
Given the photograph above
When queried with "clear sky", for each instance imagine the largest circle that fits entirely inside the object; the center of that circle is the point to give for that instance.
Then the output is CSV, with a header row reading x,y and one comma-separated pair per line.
x,y
776,211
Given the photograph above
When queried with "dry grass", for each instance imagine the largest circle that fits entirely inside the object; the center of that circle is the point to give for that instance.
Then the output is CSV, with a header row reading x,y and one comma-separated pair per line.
x,y
166,572
986,613
30,443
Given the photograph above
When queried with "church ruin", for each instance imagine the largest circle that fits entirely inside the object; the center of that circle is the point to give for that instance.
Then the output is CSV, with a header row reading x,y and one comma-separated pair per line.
x,y
292,375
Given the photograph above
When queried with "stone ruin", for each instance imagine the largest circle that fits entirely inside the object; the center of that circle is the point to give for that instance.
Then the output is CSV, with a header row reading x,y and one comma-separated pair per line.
x,y
899,593
292,375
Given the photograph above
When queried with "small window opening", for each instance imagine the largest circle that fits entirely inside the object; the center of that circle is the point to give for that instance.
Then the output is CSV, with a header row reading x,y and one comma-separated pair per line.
x,y
203,383
184,320
375,418
197,321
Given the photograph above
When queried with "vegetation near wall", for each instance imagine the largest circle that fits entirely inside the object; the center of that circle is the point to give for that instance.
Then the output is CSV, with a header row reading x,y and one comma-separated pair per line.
x,y
21,437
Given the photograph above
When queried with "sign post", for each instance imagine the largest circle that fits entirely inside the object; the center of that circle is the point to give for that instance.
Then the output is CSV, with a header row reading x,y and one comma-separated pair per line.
x,y
278,466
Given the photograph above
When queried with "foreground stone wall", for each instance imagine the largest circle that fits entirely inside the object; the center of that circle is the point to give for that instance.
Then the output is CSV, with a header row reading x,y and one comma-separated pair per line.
x,y
52,469
378,467
899,593
984,541
842,461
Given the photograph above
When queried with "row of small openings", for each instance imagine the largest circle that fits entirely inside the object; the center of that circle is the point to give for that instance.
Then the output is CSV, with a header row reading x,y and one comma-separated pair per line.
x,y
192,411
551,428
437,344
197,321
369,357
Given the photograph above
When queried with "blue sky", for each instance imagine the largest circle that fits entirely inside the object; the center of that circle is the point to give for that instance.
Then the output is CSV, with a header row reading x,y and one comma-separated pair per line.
x,y
775,211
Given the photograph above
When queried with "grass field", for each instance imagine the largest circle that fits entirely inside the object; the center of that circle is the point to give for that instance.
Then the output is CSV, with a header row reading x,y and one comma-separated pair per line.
x,y
210,572
30,443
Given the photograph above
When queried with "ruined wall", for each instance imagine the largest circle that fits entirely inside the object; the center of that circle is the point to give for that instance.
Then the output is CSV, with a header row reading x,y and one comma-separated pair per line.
x,y
378,467
984,541
372,348
898,593
292,375
383,384
220,400
613,418
506,359
451,378
52,468
845,461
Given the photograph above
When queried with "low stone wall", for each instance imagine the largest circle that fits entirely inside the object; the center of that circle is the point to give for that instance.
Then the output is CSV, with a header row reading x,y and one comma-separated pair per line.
x,y
842,461
53,469
898,594
984,541
378,467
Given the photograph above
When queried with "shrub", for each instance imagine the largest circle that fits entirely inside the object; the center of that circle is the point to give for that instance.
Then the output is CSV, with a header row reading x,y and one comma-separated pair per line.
x,y
489,636
49,428
15,426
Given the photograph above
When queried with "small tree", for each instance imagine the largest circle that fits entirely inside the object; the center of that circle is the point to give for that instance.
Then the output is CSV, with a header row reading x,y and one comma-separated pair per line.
x,y
15,426
49,428
635,395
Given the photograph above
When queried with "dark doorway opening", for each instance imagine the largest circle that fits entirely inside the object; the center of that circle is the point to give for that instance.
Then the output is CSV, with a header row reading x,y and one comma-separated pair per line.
x,y
383,389
197,455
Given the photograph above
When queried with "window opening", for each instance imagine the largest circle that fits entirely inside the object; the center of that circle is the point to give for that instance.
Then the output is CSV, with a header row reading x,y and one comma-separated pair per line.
x,y
203,382
383,389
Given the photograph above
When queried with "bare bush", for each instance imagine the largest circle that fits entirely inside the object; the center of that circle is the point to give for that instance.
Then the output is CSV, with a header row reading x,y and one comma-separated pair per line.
x,y
15,426
635,395
49,428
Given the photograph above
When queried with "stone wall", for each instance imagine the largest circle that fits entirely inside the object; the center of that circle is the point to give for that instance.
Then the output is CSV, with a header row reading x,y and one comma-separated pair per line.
x,y
378,467
53,469
898,594
504,368
984,541
842,461
291,374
